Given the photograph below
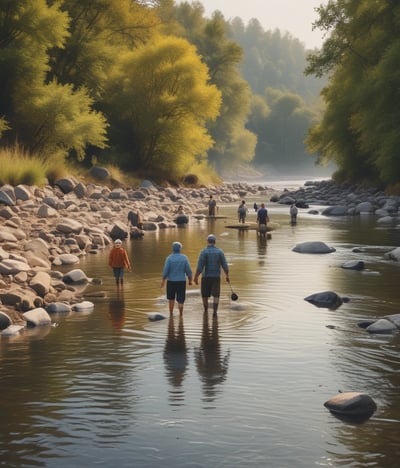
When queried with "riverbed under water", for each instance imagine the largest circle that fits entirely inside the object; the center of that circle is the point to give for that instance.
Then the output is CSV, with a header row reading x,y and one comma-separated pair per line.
x,y
244,390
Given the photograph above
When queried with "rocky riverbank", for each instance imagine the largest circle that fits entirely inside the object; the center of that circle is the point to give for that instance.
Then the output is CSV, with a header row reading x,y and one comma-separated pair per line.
x,y
44,228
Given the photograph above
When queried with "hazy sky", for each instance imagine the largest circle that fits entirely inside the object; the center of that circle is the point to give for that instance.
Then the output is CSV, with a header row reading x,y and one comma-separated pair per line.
x,y
294,16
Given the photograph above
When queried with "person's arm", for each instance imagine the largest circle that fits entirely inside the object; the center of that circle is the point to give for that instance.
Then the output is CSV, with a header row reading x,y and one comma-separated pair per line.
x,y
224,265
165,271
188,271
199,268
127,262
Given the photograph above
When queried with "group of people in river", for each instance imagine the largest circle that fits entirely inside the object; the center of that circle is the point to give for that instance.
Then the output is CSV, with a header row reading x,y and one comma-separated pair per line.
x,y
177,270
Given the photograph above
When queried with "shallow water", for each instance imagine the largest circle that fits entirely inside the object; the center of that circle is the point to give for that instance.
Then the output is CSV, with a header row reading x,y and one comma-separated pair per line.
x,y
247,389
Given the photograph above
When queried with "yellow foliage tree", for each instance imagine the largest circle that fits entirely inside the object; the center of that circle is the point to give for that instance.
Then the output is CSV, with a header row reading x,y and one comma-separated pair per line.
x,y
159,102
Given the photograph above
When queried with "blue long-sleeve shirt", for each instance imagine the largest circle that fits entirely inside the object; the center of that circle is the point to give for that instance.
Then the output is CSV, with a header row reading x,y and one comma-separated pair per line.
x,y
176,267
211,260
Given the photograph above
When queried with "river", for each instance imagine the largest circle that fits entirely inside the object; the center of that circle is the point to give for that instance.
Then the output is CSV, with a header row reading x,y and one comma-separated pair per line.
x,y
248,389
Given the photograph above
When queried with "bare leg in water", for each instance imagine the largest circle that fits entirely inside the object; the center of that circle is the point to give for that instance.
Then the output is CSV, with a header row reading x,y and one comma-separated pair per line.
x,y
215,306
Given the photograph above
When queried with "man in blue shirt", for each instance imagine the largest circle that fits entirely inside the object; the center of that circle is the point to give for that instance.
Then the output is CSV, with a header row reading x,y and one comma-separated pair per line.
x,y
210,262
176,269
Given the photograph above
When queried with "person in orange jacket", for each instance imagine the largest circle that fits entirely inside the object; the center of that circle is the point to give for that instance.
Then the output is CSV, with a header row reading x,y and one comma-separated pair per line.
x,y
118,260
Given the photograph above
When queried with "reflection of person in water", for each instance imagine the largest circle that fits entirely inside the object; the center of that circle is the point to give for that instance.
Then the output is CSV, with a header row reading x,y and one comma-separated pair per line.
x,y
116,310
175,356
211,365
262,249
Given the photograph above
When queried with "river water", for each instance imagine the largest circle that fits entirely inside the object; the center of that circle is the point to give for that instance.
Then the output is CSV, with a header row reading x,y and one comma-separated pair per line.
x,y
246,390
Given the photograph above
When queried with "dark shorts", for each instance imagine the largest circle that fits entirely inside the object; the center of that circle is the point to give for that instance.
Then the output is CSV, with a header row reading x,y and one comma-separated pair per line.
x,y
118,273
210,287
176,290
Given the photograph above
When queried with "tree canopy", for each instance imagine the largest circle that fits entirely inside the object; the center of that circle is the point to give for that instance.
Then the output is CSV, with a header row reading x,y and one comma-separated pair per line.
x,y
159,99
361,57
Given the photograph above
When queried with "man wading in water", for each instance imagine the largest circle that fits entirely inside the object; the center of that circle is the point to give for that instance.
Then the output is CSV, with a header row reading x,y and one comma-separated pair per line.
x,y
210,262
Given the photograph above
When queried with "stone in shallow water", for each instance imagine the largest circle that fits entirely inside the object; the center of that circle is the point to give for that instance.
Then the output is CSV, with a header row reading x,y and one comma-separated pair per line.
x,y
313,247
154,317
351,406
326,299
5,321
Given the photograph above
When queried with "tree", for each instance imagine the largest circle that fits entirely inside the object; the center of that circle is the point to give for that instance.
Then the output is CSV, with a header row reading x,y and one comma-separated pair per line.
x,y
234,143
159,102
98,29
42,116
359,129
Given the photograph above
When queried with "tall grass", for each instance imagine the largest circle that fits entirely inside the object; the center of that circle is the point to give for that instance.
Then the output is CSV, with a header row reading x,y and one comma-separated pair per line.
x,y
20,167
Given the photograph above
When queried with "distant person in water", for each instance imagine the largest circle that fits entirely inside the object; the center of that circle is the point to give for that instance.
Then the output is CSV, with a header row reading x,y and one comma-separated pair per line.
x,y
255,206
293,214
118,260
176,270
262,215
212,204
242,212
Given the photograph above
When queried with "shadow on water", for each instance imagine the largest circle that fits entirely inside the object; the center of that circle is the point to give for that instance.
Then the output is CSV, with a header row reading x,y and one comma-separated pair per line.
x,y
175,357
211,363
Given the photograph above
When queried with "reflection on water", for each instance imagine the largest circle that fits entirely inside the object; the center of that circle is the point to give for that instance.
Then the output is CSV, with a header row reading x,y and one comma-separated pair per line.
x,y
175,357
111,387
211,364
116,309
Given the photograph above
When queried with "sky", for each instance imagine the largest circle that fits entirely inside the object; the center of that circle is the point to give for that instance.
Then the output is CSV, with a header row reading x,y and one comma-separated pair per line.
x,y
293,16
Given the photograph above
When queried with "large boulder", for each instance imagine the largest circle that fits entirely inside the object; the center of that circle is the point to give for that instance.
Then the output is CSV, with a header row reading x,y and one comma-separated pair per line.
x,y
5,321
75,277
100,173
313,247
68,226
58,308
326,299
12,267
337,210
393,254
354,265
118,231
351,406
37,317
40,283
66,184
382,326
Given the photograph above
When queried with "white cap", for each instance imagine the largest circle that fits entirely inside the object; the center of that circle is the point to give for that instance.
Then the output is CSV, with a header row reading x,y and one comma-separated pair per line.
x,y
118,241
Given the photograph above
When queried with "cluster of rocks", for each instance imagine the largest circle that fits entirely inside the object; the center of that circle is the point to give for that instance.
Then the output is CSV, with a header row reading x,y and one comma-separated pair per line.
x,y
344,200
42,229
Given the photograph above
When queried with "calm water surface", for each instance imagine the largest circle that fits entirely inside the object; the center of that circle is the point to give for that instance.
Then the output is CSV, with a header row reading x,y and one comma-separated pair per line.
x,y
245,390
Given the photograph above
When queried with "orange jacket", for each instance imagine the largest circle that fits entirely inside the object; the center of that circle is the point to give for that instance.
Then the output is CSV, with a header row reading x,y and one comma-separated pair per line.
x,y
118,258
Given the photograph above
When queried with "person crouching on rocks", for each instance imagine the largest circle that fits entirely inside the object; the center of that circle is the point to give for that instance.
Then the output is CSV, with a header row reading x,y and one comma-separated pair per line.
x,y
118,260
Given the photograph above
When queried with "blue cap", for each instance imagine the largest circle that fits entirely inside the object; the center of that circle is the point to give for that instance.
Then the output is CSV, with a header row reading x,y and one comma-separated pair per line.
x,y
211,238
176,246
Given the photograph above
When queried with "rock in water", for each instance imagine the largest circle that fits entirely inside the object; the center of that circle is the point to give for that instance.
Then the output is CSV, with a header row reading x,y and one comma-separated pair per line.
x,y
351,406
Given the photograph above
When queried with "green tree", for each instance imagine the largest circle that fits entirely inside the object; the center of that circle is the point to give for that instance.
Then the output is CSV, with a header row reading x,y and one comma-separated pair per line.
x,y
42,116
99,31
359,128
234,143
159,102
